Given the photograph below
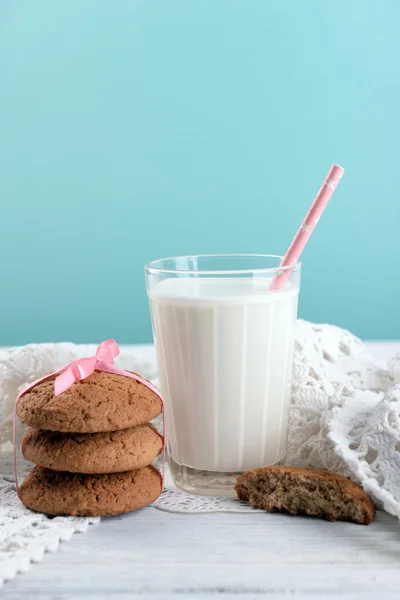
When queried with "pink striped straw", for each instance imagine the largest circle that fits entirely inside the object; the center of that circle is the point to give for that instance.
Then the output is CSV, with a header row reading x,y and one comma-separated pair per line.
x,y
307,227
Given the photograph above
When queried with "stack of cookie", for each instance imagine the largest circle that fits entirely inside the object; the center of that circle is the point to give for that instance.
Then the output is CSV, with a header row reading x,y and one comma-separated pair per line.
x,y
92,445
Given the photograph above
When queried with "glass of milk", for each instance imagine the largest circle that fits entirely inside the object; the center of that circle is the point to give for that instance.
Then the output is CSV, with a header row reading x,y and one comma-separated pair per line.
x,y
224,342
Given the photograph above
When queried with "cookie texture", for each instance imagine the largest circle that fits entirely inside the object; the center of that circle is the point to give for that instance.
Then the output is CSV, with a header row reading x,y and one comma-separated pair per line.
x,y
55,493
101,402
300,490
105,452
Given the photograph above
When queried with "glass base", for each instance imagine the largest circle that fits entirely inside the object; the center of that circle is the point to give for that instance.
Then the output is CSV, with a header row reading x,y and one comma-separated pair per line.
x,y
203,483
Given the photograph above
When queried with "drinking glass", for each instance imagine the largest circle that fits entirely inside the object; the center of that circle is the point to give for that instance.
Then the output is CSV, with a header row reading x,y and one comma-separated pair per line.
x,y
224,342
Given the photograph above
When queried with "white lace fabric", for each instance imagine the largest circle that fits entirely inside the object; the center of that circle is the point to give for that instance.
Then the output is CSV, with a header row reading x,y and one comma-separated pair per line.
x,y
345,417
345,412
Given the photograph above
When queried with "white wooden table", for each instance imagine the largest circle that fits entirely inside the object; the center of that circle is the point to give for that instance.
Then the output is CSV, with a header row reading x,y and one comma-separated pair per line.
x,y
152,554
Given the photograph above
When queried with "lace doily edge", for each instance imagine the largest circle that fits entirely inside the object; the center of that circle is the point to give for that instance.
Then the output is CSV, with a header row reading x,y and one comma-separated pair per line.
x,y
9,568
382,497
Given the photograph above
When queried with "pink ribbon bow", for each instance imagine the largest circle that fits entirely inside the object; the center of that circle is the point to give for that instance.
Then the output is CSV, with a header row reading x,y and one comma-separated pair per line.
x,y
83,367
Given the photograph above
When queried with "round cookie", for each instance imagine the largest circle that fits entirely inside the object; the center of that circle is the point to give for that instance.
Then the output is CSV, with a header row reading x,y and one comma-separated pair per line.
x,y
101,402
106,452
55,493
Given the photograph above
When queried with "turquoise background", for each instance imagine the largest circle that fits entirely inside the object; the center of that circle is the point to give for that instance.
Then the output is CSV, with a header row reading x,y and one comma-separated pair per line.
x,y
131,130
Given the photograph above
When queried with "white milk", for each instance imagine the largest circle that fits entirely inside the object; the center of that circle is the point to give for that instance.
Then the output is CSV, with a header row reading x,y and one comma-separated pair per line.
x,y
225,352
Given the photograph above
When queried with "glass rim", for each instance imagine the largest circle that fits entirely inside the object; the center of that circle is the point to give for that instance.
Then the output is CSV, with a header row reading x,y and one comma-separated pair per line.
x,y
152,268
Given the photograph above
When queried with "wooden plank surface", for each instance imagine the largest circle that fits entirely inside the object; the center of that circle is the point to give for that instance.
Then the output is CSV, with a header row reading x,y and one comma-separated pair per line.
x,y
154,554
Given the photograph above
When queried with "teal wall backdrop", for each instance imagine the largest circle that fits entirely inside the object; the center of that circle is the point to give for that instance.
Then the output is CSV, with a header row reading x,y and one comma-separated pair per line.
x,y
131,130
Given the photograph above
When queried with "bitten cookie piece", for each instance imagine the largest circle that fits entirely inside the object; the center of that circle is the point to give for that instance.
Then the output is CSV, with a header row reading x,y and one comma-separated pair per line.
x,y
55,493
107,452
101,402
300,490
